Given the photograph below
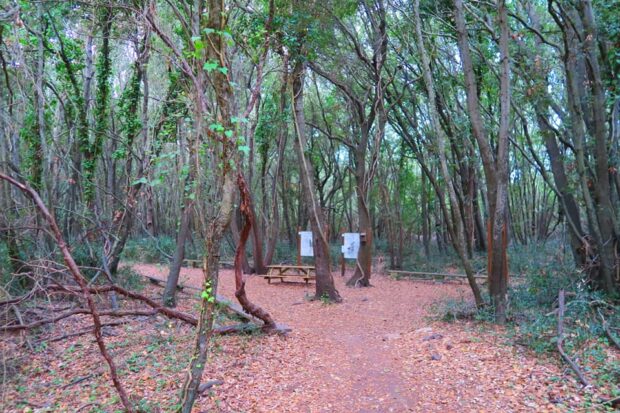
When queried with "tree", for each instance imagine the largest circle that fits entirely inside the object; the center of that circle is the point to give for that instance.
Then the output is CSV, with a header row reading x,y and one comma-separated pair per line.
x,y
369,117
495,163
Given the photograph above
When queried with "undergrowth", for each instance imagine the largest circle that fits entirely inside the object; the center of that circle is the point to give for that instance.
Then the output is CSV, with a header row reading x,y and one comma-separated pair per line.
x,y
150,250
533,315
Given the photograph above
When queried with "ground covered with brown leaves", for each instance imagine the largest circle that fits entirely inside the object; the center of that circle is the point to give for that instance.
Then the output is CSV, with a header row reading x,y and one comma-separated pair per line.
x,y
378,351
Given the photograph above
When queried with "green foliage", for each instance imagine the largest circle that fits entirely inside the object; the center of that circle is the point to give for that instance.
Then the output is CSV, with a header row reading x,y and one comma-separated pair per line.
x,y
533,311
87,256
534,324
609,30
103,72
309,27
127,278
535,320
33,153
269,124
174,109
325,300
207,293
74,52
128,113
149,250
5,267
451,310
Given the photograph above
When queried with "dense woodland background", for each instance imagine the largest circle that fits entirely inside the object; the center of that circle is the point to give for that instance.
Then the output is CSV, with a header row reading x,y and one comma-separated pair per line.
x,y
481,134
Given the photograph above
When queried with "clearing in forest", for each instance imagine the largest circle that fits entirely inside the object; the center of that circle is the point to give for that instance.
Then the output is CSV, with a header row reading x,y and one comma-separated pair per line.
x,y
378,351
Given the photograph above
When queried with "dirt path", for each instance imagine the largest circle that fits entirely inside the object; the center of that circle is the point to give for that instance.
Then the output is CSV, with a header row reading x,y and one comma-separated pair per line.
x,y
376,352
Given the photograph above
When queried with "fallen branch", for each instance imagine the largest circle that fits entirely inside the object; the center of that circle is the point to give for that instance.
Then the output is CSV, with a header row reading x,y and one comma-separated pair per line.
x,y
613,339
19,299
110,313
85,406
244,328
221,300
230,306
560,342
206,386
169,312
81,379
82,332
21,322
156,309
613,402
79,278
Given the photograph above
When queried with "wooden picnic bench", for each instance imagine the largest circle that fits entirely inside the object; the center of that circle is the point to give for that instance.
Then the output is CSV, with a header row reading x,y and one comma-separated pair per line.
x,y
422,275
290,272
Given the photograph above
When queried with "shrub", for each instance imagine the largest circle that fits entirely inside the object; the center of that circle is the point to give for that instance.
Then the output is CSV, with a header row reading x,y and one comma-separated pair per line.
x,y
533,317
5,265
86,256
129,279
150,250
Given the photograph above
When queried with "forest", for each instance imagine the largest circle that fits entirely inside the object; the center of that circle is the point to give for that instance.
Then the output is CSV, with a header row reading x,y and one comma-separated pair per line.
x,y
309,206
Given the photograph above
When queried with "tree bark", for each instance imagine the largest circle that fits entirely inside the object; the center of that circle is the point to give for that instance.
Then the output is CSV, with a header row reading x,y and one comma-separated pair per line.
x,y
495,166
324,281
169,297
454,219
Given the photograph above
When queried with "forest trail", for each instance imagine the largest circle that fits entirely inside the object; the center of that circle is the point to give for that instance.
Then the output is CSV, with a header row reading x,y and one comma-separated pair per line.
x,y
378,351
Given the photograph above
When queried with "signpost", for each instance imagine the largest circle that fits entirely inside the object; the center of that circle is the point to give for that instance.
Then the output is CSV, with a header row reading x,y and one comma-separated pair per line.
x,y
306,248
350,248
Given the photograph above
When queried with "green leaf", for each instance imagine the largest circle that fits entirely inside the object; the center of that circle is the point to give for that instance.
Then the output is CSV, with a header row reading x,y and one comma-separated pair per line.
x,y
198,44
224,70
245,149
216,127
142,180
210,66
228,133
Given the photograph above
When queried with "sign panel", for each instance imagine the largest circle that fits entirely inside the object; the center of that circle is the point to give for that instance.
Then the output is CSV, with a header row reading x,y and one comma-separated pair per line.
x,y
351,247
306,248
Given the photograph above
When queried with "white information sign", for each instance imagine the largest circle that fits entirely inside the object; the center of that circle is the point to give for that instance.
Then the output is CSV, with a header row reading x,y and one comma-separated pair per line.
x,y
351,245
307,250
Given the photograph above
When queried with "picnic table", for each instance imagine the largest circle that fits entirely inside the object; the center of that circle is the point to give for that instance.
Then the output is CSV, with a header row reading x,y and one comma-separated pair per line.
x,y
290,272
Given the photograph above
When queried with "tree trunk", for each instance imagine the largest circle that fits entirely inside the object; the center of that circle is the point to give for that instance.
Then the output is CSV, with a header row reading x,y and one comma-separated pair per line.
x,y
454,219
363,265
324,281
169,298
216,225
495,167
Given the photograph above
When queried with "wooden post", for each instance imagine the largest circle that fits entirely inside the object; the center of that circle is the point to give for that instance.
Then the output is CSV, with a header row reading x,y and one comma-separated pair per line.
x,y
489,249
342,268
505,252
298,246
